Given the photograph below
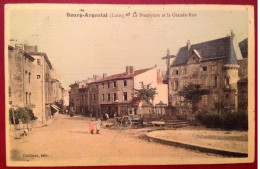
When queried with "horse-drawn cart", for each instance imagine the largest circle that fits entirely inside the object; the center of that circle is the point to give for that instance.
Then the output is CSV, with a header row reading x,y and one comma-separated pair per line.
x,y
126,122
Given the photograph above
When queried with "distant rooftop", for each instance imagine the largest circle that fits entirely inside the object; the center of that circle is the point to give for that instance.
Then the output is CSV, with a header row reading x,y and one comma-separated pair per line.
x,y
122,75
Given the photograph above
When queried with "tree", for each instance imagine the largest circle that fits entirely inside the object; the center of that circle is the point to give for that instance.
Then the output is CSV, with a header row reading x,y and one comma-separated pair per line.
x,y
192,93
147,93
22,113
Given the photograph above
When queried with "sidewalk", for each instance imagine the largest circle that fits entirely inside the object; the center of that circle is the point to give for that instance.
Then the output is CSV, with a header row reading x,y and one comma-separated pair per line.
x,y
230,143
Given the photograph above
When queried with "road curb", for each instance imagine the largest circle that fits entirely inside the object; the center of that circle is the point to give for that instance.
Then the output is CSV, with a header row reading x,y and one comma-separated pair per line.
x,y
196,147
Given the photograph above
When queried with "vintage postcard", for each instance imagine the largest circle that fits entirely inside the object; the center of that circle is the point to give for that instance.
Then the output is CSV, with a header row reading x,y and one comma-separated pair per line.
x,y
101,85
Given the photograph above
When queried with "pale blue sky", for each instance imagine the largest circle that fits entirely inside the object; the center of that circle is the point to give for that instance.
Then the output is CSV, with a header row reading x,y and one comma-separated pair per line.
x,y
81,47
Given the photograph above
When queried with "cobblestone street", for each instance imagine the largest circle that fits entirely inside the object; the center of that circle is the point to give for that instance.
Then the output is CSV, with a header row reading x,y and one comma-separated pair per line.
x,y
68,139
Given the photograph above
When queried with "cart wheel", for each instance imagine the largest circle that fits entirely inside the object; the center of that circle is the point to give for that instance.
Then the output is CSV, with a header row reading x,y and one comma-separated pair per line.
x,y
118,125
126,123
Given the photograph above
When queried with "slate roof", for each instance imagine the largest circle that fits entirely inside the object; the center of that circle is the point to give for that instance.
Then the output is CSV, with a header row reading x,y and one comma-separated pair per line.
x,y
122,76
217,48
243,45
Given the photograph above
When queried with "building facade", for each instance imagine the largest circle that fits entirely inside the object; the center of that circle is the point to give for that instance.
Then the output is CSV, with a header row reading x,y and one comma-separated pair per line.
x,y
21,75
30,81
114,94
216,65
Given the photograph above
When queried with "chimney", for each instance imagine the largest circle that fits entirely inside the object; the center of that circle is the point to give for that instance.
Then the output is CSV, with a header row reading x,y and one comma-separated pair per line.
x,y
104,75
95,77
132,70
188,45
128,70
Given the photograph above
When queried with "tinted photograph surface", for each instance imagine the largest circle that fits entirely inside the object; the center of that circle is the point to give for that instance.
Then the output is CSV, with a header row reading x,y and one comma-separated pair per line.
x,y
102,85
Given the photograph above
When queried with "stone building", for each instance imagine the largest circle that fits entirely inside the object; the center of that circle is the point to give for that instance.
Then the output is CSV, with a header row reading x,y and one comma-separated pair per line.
x,y
79,95
31,82
42,86
114,94
21,74
216,65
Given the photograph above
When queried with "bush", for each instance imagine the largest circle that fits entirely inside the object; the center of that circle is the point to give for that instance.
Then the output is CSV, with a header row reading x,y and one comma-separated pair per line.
x,y
22,113
225,120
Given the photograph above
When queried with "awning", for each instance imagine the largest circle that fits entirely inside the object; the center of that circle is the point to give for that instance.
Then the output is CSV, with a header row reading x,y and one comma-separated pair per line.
x,y
55,107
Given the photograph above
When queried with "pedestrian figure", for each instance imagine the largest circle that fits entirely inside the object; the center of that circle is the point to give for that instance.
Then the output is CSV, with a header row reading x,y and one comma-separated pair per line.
x,y
91,126
107,116
98,125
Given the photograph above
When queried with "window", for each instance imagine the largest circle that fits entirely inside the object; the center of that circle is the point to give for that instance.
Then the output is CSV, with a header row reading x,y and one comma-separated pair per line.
x,y
227,95
103,85
176,72
176,85
214,97
214,69
125,83
114,84
39,61
30,97
108,85
29,77
204,69
125,96
25,72
38,76
185,71
227,81
115,98
26,97
97,86
108,97
103,97
94,97
215,84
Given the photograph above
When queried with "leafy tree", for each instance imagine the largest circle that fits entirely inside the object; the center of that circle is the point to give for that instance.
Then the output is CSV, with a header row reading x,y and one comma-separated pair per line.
x,y
23,113
147,93
192,93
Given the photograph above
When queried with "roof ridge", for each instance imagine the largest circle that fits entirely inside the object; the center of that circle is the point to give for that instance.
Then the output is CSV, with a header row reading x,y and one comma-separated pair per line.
x,y
117,76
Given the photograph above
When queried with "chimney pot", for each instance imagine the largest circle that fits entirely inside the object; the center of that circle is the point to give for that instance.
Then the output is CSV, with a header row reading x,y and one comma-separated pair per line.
x,y
188,45
104,75
131,69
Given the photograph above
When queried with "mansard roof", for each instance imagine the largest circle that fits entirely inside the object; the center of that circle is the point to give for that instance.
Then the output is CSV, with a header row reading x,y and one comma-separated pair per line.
x,y
218,48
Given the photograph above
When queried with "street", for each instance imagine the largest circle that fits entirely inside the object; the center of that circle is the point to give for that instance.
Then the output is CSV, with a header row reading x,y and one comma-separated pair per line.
x,y
68,139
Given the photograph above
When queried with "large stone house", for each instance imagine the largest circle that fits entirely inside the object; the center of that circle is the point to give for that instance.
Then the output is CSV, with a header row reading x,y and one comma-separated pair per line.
x,y
216,65
115,94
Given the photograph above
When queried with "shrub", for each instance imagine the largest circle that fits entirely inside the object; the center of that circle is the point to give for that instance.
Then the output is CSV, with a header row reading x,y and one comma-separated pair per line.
x,y
22,113
225,120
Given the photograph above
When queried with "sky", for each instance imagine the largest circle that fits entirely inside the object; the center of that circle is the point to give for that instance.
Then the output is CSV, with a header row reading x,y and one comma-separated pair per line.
x,y
80,47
